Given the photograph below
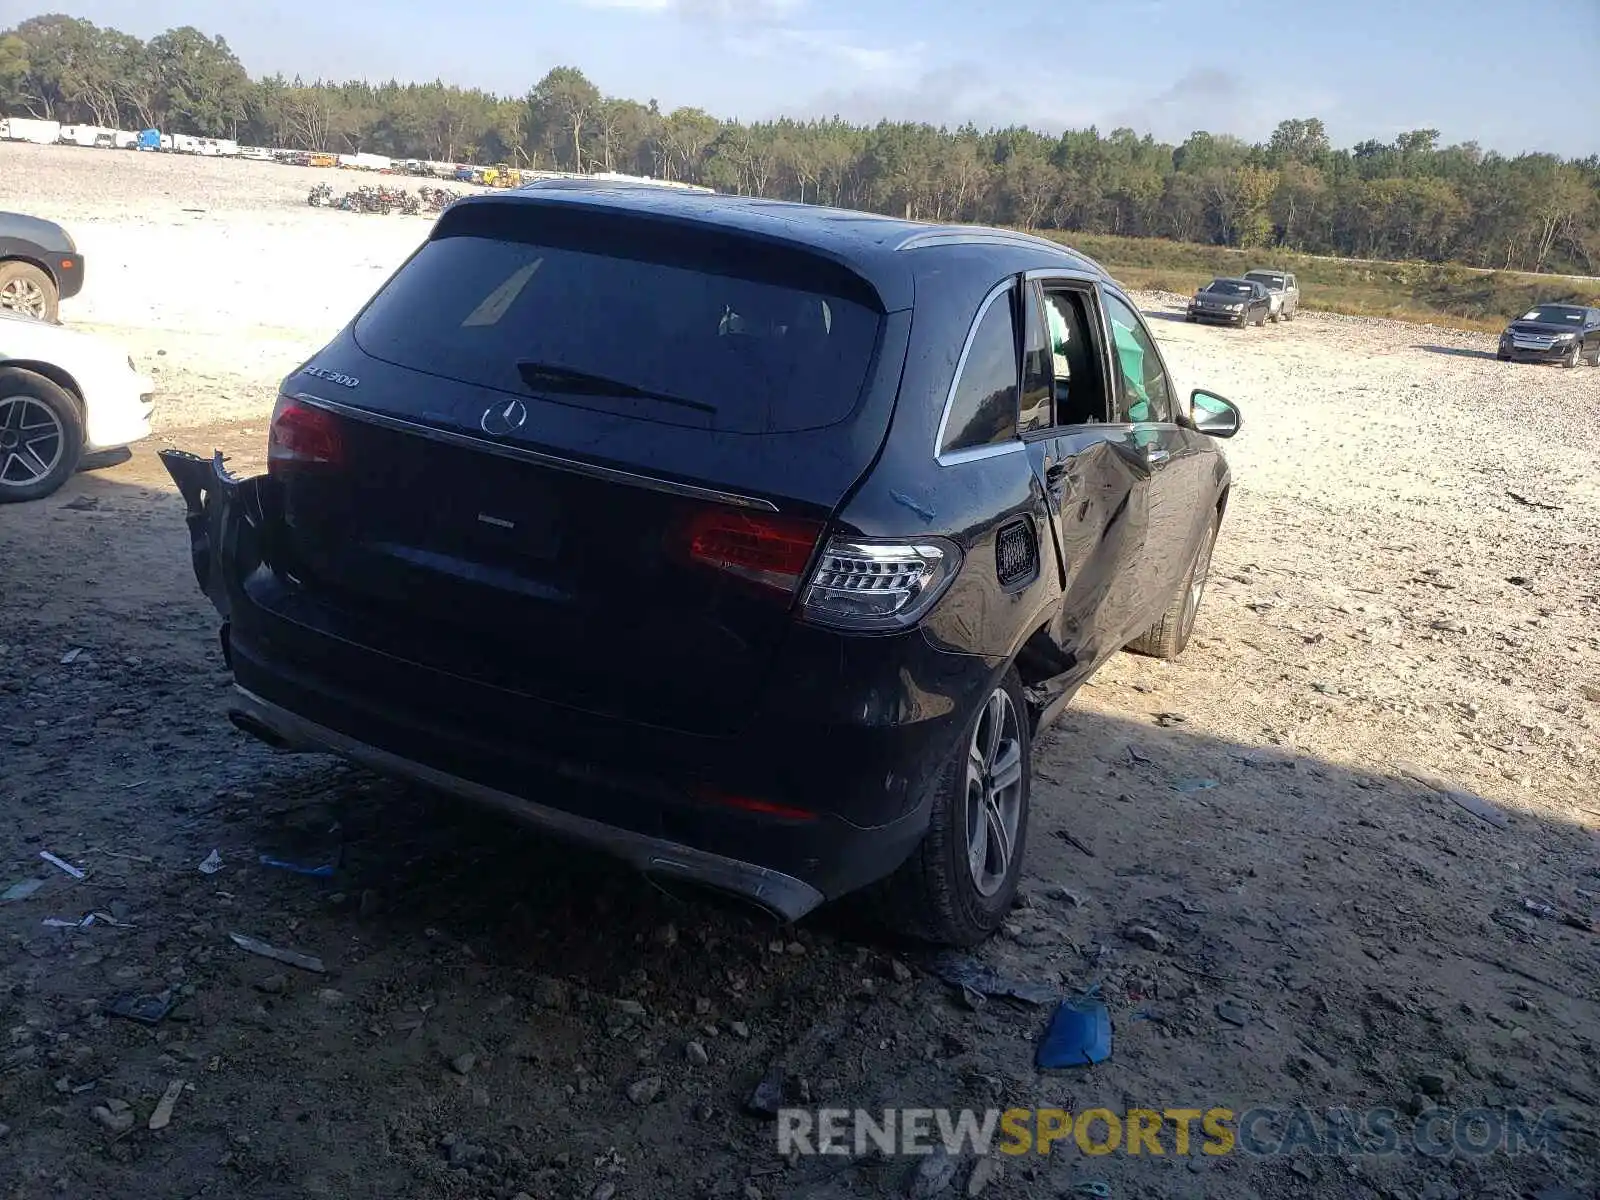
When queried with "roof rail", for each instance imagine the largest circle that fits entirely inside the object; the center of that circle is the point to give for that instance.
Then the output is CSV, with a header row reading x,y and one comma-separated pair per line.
x,y
971,235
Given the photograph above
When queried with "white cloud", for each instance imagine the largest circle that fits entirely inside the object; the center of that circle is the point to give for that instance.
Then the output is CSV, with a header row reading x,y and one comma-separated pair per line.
x,y
716,10
889,65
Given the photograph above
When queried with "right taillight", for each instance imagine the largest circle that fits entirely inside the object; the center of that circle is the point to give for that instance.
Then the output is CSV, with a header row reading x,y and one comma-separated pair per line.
x,y
879,584
303,435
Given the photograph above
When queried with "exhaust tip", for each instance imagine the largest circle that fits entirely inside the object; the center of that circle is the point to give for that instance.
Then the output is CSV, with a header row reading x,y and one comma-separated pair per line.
x,y
245,723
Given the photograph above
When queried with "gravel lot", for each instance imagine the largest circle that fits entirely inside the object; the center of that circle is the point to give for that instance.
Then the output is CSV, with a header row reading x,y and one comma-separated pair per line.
x,y
499,1016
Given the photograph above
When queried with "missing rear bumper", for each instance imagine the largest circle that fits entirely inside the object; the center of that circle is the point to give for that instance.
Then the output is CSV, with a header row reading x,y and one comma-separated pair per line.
x,y
782,895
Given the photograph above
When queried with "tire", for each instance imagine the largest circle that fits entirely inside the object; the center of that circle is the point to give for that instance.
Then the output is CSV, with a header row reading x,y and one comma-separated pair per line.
x,y
1289,314
1261,321
1274,317
27,289
41,436
1168,637
937,896
1576,357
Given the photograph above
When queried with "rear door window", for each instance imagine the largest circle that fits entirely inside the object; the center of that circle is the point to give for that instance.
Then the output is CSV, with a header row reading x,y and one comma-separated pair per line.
x,y
983,404
738,342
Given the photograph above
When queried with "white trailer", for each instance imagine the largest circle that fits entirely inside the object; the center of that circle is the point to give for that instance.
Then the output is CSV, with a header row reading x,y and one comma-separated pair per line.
x,y
125,139
87,136
27,129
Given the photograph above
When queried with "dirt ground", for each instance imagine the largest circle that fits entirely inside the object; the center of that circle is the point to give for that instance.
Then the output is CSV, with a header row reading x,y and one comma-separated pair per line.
x,y
1408,585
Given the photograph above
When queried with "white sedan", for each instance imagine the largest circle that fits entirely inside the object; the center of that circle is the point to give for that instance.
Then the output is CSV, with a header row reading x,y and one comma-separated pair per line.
x,y
63,394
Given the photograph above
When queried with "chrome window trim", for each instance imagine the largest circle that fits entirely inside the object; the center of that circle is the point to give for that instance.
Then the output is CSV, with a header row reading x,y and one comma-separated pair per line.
x,y
538,458
950,458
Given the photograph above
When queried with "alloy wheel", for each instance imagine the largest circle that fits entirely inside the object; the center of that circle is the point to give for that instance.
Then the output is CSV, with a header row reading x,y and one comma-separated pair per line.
x,y
994,793
23,296
32,441
1197,578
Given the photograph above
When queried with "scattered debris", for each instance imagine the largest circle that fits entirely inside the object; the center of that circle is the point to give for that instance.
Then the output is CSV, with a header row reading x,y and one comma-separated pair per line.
x,y
306,962
968,974
1071,840
767,1096
1475,805
1168,719
1135,756
695,1052
323,871
211,864
146,1010
71,656
1435,1083
1079,1034
645,1091
162,1117
115,1115
933,1175
1574,920
1521,499
22,890
984,1172
62,863
1233,1014
1194,785
1150,939
462,1064
85,921
1095,1188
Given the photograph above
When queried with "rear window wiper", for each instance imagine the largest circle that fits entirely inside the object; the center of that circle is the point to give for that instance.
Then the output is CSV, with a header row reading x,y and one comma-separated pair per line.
x,y
544,377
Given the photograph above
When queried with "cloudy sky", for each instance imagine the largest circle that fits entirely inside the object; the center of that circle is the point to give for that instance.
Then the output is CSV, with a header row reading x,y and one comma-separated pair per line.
x,y
1368,68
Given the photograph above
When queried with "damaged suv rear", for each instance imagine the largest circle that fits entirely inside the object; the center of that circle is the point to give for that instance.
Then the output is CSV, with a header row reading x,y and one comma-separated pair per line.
x,y
670,498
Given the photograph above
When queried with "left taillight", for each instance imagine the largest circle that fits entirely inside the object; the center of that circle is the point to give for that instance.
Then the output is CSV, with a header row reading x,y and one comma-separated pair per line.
x,y
303,435
767,550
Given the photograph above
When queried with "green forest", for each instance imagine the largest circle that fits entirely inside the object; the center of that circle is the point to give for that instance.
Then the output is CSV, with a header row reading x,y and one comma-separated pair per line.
x,y
1411,199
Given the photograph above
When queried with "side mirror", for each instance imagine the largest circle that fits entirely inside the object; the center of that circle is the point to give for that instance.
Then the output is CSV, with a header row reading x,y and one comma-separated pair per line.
x,y
1214,416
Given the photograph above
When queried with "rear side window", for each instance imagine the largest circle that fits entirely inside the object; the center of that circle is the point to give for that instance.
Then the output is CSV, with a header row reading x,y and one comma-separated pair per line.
x,y
983,407
730,342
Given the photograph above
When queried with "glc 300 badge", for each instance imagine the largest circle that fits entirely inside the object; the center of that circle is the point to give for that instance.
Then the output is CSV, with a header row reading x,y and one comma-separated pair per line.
x,y
348,381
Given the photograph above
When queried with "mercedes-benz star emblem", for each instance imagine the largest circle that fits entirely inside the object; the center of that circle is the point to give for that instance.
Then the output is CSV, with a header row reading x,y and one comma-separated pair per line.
x,y
502,419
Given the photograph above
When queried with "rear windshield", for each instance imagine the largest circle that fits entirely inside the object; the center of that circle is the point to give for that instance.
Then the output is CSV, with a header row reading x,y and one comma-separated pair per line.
x,y
731,344
1263,278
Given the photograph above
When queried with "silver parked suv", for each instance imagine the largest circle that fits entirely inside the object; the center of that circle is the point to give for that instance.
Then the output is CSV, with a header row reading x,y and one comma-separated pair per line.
x,y
1284,290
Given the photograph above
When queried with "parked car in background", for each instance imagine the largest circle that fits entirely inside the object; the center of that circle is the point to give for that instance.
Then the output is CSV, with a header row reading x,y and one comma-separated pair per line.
x,y
1238,302
63,394
1565,333
39,266
1283,289
774,531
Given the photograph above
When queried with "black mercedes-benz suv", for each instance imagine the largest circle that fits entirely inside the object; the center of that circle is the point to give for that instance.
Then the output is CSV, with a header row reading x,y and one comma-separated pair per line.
x,y
1565,333
774,533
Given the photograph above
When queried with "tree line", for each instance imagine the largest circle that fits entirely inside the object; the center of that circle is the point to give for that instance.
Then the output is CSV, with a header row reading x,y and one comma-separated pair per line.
x,y
1408,199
